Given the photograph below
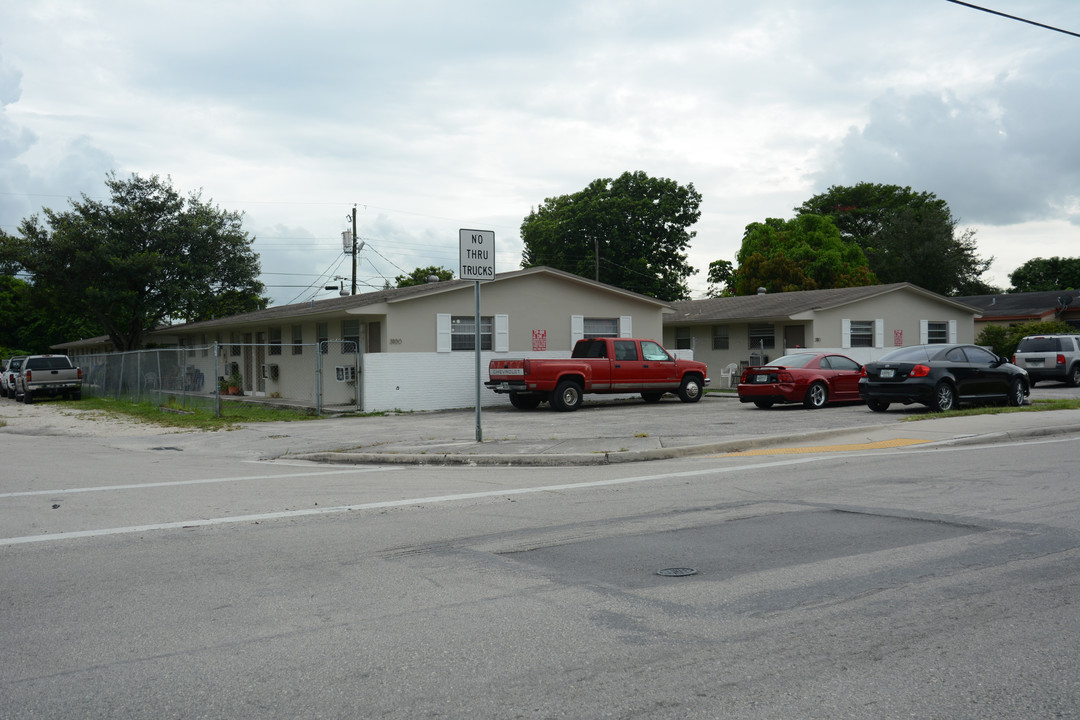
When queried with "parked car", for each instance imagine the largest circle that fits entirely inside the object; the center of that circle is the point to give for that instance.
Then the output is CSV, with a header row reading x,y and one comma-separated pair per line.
x,y
940,377
811,378
52,375
1050,357
7,377
598,365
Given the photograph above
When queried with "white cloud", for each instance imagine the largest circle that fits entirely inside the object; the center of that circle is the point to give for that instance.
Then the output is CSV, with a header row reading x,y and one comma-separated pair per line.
x,y
433,116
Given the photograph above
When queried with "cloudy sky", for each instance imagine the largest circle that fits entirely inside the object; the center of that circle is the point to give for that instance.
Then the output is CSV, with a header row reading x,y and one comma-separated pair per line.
x,y
434,116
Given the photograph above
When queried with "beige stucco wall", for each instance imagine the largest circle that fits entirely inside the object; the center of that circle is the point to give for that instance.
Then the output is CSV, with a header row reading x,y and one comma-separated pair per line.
x,y
901,310
531,302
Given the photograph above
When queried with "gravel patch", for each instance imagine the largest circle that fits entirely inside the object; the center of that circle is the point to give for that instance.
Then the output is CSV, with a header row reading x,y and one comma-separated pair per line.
x,y
49,418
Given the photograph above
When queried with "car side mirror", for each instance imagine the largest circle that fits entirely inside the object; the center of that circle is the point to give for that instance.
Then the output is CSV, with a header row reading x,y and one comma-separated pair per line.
x,y
998,362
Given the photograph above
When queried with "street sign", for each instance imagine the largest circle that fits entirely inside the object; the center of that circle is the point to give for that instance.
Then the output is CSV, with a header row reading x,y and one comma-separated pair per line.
x,y
477,254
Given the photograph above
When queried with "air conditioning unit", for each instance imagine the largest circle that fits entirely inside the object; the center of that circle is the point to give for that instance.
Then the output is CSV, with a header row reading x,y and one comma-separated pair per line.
x,y
345,373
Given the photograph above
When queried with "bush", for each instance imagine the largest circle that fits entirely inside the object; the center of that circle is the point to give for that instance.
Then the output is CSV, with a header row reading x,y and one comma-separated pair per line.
x,y
1003,340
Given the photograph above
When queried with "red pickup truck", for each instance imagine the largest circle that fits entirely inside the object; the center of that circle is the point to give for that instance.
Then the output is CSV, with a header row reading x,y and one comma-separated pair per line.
x,y
598,365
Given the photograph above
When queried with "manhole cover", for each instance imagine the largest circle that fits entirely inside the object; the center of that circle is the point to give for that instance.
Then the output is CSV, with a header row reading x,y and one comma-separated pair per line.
x,y
676,572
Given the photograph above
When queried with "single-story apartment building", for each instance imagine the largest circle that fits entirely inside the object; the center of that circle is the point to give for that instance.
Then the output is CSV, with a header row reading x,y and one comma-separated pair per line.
x,y
410,348
1016,308
864,323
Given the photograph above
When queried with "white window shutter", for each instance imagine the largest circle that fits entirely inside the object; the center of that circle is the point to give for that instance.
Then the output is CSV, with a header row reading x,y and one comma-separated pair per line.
x,y
442,332
879,333
952,331
626,326
924,332
577,329
502,333
845,333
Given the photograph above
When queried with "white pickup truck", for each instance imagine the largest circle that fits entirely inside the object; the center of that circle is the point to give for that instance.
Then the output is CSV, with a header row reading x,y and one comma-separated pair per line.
x,y
48,375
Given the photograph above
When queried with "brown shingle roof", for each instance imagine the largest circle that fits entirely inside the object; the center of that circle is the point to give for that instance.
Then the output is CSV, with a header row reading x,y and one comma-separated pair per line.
x,y
785,305
341,304
1030,304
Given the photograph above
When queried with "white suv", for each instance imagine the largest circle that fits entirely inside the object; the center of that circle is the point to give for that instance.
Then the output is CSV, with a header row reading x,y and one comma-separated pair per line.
x,y
1050,357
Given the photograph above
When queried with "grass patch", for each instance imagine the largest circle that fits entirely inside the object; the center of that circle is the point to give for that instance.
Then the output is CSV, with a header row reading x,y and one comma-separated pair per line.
x,y
1035,406
191,418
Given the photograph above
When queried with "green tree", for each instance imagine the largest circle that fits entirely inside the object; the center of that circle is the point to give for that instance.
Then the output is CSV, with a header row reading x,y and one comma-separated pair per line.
x,y
1003,340
230,302
804,253
720,274
907,236
420,276
631,232
30,325
1042,274
146,257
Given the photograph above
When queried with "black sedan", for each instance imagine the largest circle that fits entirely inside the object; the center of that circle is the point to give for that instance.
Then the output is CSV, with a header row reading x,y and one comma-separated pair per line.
x,y
940,377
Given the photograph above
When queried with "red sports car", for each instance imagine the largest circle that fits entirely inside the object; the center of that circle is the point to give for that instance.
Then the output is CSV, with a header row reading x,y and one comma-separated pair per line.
x,y
811,378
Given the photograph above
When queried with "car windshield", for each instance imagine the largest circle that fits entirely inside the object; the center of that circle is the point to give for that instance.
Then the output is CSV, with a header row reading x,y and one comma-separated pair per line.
x,y
908,354
796,360
1037,344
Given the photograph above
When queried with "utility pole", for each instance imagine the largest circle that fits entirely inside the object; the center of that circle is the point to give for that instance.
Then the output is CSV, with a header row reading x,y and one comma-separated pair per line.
x,y
354,249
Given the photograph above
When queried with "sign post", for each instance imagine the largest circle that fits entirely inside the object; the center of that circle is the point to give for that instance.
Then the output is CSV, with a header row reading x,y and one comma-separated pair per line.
x,y
476,250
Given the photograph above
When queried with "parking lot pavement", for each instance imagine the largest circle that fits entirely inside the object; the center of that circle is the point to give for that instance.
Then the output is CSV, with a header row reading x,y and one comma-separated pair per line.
x,y
610,432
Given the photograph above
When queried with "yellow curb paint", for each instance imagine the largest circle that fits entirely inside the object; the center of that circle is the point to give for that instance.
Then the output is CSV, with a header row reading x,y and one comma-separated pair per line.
x,y
898,442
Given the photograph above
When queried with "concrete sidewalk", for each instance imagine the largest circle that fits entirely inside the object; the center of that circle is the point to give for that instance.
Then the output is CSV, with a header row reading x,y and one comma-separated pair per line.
x,y
595,449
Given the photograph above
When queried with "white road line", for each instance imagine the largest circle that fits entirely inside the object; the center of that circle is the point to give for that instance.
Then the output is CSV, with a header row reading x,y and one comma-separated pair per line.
x,y
475,495
204,481
183,524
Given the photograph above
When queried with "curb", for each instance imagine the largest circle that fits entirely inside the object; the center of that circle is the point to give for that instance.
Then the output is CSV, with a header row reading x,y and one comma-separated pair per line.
x,y
597,458
614,458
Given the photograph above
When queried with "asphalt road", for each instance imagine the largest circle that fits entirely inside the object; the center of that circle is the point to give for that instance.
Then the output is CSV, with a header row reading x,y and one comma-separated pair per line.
x,y
182,576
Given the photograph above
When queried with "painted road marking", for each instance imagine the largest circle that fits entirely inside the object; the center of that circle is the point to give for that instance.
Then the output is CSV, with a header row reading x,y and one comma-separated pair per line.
x,y
185,524
260,517
204,481
879,445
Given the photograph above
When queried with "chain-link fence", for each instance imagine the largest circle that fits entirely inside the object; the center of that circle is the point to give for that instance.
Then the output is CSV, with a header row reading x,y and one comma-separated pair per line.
x,y
318,378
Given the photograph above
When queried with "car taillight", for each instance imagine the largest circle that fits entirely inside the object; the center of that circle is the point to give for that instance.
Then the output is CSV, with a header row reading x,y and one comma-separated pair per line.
x,y
1013,359
920,371
784,377
862,373
1061,360
79,372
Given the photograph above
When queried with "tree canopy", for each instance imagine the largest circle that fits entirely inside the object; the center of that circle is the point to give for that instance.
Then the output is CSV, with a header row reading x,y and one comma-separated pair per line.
x,y
145,257
631,232
804,253
720,274
420,276
907,236
1039,274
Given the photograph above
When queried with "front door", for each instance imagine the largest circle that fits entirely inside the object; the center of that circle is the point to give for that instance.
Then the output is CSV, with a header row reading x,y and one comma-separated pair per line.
x,y
247,362
794,337
260,362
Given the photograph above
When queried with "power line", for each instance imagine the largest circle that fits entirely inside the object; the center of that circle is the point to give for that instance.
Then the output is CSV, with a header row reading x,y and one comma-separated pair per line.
x,y
1014,17
327,273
